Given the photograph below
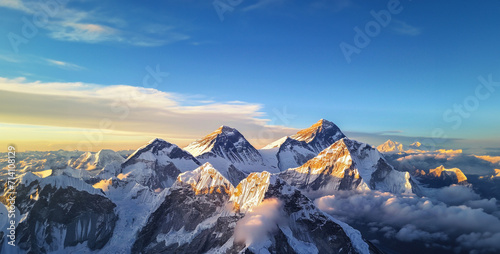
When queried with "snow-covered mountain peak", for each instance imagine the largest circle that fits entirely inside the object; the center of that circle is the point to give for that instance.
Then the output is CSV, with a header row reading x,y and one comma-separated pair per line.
x,y
346,165
223,136
337,156
153,146
95,161
390,142
107,156
159,149
295,150
439,171
103,153
206,179
390,147
157,164
156,140
415,144
440,177
250,191
227,130
276,144
323,129
60,181
229,144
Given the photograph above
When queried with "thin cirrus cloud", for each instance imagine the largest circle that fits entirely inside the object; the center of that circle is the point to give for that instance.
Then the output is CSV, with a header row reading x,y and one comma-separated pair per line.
x,y
16,5
404,28
336,5
130,109
22,59
69,24
9,59
64,65
70,31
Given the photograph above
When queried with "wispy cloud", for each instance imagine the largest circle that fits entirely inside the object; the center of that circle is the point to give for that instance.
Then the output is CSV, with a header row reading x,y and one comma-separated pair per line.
x,y
404,28
83,32
21,59
64,65
9,59
15,5
89,26
131,109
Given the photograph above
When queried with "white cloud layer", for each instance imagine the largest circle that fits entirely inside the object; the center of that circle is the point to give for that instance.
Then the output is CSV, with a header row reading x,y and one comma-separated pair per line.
x,y
469,164
468,226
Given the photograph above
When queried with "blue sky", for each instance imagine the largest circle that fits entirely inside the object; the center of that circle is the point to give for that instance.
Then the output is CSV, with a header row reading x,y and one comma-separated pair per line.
x,y
272,55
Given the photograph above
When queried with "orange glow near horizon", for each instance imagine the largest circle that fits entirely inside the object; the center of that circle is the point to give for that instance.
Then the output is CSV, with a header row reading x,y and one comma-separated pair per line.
x,y
52,138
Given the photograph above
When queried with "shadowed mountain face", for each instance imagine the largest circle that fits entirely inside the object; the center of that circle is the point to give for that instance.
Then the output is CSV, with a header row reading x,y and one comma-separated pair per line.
x,y
59,215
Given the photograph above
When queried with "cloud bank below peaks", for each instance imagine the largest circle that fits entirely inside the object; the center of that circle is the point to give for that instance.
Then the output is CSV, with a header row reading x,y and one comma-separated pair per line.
x,y
463,222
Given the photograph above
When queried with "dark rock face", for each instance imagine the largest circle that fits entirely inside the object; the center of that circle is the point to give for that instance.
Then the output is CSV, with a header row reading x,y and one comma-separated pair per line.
x,y
163,176
64,217
183,209
382,170
326,235
235,175
296,148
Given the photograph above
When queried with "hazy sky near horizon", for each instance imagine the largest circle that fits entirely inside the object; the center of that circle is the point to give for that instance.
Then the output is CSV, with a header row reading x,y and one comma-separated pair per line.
x,y
116,73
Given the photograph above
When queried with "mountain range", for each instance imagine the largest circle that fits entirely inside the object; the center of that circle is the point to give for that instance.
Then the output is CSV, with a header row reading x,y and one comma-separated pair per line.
x,y
217,195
